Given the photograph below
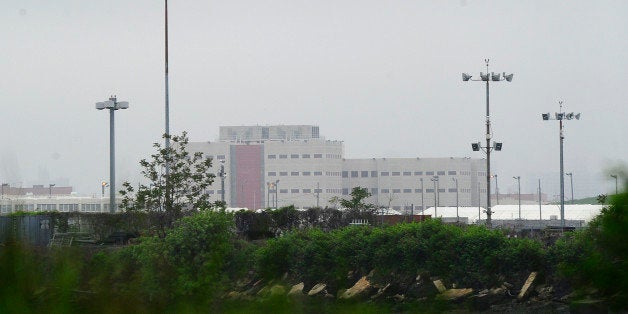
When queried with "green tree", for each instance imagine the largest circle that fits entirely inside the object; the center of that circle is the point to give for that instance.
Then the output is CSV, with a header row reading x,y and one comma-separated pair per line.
x,y
170,194
356,206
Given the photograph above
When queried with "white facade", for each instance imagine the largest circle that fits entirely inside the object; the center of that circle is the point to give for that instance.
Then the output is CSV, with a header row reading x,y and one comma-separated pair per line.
x,y
309,171
10,205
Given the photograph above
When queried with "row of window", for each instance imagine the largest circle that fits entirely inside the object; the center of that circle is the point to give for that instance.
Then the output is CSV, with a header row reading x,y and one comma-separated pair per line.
x,y
53,207
373,174
296,156
295,173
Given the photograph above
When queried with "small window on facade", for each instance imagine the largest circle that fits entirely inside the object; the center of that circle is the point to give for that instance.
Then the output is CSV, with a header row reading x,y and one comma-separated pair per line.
x,y
283,173
345,174
396,190
305,156
354,174
220,157
272,174
318,155
396,173
318,173
407,173
294,190
429,190
373,174
373,191
451,173
272,156
384,173
417,190
294,173
384,191
345,191
418,173
283,191
440,173
283,156
293,156
364,174
307,191
441,190
429,173
452,190
306,173
407,190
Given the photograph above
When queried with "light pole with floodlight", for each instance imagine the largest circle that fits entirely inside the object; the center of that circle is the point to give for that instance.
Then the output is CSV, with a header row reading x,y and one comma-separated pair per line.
x,y
518,178
112,104
560,116
222,181
496,190
435,180
457,216
570,174
496,77
615,176
50,189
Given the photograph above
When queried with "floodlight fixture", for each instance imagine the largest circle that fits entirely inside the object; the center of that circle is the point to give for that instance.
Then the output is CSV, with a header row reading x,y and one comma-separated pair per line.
x,y
497,146
495,76
508,77
546,116
559,115
475,146
465,77
484,76
578,116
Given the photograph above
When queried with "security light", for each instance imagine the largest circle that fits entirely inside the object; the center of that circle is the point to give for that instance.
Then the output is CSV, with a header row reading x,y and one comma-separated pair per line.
x,y
495,76
508,77
497,146
475,146
484,76
577,116
465,77
559,115
545,116
122,105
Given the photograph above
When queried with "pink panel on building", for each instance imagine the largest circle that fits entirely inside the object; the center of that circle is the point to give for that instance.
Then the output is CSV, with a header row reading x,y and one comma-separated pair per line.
x,y
248,159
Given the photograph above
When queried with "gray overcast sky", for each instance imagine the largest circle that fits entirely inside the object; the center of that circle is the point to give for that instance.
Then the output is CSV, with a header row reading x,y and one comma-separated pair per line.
x,y
383,76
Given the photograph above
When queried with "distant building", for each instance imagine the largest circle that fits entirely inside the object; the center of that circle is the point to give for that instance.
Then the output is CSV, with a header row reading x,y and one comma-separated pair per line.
x,y
35,190
295,165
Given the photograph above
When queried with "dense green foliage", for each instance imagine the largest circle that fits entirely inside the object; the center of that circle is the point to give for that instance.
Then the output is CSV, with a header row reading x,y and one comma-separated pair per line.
x,y
473,257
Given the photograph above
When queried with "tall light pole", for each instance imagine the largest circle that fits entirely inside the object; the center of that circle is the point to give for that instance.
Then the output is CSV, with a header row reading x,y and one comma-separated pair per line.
x,y
560,116
435,180
496,145
276,195
422,203
3,185
103,185
457,216
167,96
540,208
518,178
112,104
50,190
570,174
496,190
615,176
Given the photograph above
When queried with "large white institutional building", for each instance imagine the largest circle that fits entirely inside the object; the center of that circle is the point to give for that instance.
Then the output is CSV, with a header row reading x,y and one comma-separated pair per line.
x,y
293,165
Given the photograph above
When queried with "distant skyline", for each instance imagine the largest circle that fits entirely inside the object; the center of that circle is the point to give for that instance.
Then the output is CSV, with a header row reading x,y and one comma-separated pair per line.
x,y
366,72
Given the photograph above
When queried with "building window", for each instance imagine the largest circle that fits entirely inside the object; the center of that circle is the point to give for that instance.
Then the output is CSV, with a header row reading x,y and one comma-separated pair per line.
x,y
441,190
440,173
315,132
407,190
210,192
283,191
272,156
283,173
220,157
318,155
318,173
345,191
396,173
384,191
294,173
384,173
396,190
345,174
305,156
354,174
294,190
364,174
306,173
374,191
307,191
272,174
452,190
451,173
293,156
429,190
283,156
265,133
373,174
418,173
417,190
407,173
429,173
318,190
